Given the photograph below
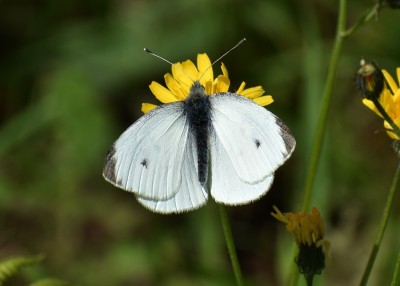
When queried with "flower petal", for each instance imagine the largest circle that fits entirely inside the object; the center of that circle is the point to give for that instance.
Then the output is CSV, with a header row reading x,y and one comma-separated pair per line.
x,y
224,70
391,134
252,92
264,100
368,103
221,84
386,98
398,74
183,76
161,93
174,86
205,69
146,107
190,69
241,88
209,87
392,83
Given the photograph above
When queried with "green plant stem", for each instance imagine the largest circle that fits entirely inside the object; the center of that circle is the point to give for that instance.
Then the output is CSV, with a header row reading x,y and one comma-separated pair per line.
x,y
322,122
384,221
324,112
368,16
396,275
309,279
230,244
382,111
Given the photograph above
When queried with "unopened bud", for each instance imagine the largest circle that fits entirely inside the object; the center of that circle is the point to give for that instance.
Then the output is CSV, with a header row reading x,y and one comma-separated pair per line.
x,y
369,80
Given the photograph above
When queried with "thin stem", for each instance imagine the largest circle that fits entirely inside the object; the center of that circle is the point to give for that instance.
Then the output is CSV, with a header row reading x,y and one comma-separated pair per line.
x,y
368,16
396,275
230,244
385,218
324,112
309,279
322,122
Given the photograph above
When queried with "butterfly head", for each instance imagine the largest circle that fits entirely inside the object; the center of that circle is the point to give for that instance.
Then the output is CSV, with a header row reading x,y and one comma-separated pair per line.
x,y
197,89
197,96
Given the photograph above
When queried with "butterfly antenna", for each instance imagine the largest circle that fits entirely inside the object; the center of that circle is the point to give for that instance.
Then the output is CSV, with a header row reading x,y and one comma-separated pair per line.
x,y
227,52
157,56
217,60
165,60
230,50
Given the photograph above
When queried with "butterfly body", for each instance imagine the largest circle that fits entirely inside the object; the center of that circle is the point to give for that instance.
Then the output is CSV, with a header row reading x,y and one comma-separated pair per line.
x,y
197,109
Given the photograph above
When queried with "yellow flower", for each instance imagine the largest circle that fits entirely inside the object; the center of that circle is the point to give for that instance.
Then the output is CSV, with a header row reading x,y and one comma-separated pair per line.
x,y
390,101
306,228
183,74
308,231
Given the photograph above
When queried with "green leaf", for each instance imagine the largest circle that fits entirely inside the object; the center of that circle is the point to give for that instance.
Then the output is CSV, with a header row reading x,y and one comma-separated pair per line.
x,y
12,266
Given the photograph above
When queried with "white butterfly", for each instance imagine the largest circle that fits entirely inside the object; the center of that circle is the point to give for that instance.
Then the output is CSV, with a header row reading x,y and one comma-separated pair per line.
x,y
178,154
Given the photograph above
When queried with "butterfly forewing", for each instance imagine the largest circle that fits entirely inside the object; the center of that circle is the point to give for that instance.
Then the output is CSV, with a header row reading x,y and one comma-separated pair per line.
x,y
147,157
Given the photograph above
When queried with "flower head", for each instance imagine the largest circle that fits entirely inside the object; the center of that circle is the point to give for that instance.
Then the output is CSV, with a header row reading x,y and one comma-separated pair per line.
x,y
308,231
389,99
184,74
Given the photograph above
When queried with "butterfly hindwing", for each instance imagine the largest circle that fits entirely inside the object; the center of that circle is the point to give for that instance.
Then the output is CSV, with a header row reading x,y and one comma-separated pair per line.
x,y
192,194
226,185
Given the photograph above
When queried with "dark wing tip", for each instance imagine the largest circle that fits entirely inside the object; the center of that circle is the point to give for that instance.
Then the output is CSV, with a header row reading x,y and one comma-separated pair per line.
x,y
287,136
109,166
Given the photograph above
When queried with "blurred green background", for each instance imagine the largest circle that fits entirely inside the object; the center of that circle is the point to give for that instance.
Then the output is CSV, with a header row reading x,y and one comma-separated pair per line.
x,y
73,75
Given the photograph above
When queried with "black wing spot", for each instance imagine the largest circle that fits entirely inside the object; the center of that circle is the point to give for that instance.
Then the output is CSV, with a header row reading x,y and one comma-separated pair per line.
x,y
257,142
144,163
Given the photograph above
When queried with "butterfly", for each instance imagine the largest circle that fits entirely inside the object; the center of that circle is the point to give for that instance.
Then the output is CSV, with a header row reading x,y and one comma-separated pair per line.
x,y
178,154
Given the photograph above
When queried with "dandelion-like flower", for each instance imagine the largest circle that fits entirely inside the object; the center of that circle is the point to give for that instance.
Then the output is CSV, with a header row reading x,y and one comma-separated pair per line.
x,y
389,99
308,231
183,76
